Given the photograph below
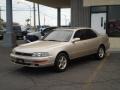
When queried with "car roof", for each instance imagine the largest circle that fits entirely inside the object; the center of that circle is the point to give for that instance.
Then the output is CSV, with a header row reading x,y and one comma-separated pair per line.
x,y
72,28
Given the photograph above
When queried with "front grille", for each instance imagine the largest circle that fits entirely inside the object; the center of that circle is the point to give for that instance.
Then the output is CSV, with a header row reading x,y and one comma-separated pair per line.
x,y
23,54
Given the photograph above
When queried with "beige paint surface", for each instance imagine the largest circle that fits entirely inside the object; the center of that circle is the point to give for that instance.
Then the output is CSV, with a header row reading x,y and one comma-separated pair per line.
x,y
101,2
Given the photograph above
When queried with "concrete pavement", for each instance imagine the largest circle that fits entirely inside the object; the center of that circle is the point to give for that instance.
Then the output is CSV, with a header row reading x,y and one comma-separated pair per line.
x,y
84,74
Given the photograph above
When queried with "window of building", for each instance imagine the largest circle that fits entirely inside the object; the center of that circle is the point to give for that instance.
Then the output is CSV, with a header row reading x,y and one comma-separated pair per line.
x,y
99,9
114,21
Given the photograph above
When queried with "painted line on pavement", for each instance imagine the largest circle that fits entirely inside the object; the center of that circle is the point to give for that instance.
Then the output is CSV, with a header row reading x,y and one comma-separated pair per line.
x,y
95,73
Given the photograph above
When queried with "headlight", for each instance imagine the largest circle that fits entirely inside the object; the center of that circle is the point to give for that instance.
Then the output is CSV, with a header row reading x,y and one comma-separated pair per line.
x,y
40,54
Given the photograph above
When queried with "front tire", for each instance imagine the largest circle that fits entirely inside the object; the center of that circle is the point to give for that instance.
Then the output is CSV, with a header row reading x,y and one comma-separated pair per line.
x,y
61,62
101,52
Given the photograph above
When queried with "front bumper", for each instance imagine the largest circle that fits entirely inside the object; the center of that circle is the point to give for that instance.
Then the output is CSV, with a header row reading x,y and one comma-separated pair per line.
x,y
32,61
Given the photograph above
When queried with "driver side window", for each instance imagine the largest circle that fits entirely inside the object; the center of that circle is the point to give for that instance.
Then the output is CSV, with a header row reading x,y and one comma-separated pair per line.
x,y
80,34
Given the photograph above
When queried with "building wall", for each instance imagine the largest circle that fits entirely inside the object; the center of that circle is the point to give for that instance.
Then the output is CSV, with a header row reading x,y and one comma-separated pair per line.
x,y
101,2
80,16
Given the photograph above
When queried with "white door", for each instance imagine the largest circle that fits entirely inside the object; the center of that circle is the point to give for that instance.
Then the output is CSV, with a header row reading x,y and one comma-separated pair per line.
x,y
98,22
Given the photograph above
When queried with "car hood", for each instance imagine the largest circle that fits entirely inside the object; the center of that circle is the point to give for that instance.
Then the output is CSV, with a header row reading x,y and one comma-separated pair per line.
x,y
38,46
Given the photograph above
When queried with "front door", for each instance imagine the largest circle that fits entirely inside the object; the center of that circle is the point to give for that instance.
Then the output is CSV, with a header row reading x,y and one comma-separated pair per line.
x,y
98,22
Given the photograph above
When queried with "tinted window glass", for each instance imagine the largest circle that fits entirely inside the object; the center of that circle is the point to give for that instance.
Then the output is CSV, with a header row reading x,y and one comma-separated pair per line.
x,y
99,9
80,34
85,34
90,34
17,28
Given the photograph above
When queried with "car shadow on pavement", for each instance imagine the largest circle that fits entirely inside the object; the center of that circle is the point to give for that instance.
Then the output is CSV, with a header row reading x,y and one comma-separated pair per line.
x,y
83,61
35,71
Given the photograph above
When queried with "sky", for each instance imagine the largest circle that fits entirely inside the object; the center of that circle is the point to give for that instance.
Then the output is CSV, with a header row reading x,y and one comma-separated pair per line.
x,y
21,12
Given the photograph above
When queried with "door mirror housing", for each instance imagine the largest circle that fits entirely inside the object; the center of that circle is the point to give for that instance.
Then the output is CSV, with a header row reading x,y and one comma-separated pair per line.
x,y
75,40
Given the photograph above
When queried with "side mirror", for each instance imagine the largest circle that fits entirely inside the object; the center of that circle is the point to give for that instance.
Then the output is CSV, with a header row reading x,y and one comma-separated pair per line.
x,y
75,40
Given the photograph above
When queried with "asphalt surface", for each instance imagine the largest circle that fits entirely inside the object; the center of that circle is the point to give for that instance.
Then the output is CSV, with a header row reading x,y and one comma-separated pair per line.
x,y
83,74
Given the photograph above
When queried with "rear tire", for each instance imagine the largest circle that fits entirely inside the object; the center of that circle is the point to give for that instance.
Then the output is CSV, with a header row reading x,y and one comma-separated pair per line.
x,y
61,62
100,53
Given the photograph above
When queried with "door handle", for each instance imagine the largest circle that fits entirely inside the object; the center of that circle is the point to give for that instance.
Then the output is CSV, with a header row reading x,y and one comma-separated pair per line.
x,y
104,25
101,21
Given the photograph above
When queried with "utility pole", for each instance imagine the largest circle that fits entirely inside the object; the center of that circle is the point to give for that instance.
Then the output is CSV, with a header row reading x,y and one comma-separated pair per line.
x,y
34,16
39,19
39,15
0,12
65,20
30,16
0,19
44,20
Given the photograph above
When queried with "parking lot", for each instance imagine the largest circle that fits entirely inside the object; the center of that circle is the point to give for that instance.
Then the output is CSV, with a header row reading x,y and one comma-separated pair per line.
x,y
83,74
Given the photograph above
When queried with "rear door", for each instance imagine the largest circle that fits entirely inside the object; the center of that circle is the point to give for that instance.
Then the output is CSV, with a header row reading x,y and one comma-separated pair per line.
x,y
91,41
88,43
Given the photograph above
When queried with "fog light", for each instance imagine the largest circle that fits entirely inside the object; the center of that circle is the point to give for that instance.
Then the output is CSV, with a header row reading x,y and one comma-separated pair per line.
x,y
38,62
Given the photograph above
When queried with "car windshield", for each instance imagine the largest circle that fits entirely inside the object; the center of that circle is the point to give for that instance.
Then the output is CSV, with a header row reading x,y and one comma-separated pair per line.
x,y
59,35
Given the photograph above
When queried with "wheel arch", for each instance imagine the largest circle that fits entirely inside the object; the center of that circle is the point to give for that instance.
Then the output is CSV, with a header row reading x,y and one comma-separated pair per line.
x,y
64,53
102,45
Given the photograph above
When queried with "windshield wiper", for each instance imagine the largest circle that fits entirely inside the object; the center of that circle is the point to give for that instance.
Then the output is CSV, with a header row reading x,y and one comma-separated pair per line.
x,y
53,40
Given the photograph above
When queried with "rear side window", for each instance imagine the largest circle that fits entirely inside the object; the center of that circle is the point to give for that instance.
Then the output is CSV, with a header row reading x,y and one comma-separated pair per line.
x,y
17,28
85,34
90,34
80,34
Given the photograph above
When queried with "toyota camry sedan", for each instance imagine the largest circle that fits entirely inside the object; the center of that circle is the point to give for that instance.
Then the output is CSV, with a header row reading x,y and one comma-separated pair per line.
x,y
60,46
